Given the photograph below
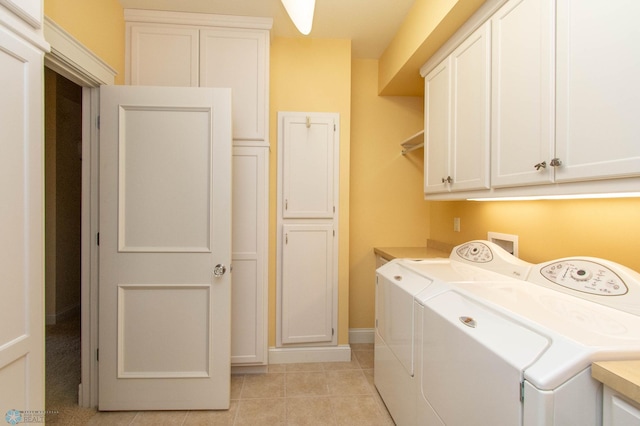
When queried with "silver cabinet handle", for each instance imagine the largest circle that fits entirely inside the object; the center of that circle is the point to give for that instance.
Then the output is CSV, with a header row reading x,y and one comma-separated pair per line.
x,y
556,162
447,180
219,270
542,165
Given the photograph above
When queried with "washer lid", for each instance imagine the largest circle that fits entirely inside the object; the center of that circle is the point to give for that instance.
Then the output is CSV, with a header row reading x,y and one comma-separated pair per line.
x,y
581,331
473,359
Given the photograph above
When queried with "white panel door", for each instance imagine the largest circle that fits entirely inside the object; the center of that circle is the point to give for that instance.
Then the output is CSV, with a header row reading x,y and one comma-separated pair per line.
x,y
470,123
21,228
437,109
598,131
308,283
309,162
165,226
523,107
239,59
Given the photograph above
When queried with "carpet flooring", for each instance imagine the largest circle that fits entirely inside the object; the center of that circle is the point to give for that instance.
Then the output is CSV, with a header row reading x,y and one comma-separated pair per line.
x,y
63,374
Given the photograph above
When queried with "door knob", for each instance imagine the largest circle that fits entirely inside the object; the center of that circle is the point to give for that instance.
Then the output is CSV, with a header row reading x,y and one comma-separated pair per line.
x,y
541,165
219,270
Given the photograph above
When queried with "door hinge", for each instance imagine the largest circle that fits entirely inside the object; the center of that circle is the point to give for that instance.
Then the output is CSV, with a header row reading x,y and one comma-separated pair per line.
x,y
98,122
97,354
334,232
286,204
334,127
286,238
98,238
522,391
333,331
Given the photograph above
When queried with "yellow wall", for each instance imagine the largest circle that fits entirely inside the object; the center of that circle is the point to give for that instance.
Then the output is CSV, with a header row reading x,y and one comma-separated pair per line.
x,y
605,228
99,25
427,26
387,206
312,75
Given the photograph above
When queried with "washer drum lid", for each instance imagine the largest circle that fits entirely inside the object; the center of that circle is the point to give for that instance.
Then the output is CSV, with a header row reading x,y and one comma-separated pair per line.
x,y
471,375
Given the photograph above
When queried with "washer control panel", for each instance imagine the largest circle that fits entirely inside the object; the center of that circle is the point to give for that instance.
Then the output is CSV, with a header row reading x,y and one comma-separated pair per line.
x,y
586,276
475,252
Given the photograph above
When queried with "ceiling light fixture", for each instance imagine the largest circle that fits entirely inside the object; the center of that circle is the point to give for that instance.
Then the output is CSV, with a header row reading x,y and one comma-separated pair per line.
x,y
301,13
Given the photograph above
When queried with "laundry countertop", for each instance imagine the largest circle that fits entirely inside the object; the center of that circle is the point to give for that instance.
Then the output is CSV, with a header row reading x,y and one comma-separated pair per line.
x,y
621,376
433,249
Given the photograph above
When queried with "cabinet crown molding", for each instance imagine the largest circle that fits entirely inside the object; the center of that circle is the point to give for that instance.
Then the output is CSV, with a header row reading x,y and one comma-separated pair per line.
x,y
198,19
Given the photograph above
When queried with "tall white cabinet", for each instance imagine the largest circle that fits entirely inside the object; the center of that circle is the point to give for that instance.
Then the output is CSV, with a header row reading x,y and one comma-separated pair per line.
x,y
307,275
190,49
22,49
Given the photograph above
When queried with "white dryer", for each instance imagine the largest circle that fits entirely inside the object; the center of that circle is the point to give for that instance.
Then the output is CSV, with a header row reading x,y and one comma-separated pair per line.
x,y
519,352
398,284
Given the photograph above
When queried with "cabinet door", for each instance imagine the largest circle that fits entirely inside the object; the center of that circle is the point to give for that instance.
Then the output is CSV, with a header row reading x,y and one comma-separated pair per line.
x,y
250,188
308,283
238,58
162,55
437,127
470,83
523,71
598,130
309,165
21,226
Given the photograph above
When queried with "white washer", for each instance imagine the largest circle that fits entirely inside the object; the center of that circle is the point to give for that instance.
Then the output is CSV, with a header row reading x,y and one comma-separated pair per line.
x,y
398,284
519,352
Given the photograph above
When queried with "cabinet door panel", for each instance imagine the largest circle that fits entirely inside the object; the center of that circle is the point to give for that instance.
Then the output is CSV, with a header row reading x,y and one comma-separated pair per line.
x,y
307,283
309,162
523,93
162,55
470,73
597,122
237,58
250,187
437,127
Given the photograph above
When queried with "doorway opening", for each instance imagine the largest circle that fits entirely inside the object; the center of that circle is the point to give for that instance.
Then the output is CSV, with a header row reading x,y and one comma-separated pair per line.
x,y
63,207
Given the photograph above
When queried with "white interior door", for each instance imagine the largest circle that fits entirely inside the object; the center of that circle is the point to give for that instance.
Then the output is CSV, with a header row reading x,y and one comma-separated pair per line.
x,y
165,225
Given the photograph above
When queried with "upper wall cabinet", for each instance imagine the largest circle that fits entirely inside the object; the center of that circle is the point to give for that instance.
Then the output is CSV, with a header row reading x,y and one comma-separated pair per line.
x,y
457,118
163,55
522,115
562,111
187,49
598,130
236,58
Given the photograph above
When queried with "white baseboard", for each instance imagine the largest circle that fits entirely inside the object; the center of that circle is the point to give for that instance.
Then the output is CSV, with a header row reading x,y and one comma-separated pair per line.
x,y
341,353
249,369
362,335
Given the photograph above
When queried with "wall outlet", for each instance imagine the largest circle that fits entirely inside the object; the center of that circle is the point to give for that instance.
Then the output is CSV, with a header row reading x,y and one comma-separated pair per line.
x,y
456,224
509,242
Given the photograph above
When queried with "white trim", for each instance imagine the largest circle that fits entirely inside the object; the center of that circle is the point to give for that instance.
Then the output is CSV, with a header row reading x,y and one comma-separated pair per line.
x,y
249,369
362,335
341,353
197,19
73,60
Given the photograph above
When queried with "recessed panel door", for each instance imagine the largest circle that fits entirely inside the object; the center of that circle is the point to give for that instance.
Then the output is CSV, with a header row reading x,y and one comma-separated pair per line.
x,y
165,248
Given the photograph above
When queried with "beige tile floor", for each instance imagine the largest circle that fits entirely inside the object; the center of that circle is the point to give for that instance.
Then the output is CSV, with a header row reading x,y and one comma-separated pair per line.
x,y
337,393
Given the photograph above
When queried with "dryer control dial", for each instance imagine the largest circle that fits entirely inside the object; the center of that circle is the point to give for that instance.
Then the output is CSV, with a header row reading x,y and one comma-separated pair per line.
x,y
476,252
585,276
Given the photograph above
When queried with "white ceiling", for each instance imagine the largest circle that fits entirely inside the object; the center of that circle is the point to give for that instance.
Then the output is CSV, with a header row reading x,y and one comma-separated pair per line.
x,y
370,24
